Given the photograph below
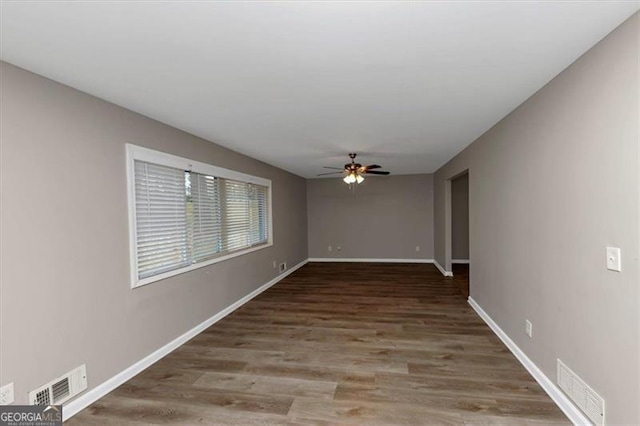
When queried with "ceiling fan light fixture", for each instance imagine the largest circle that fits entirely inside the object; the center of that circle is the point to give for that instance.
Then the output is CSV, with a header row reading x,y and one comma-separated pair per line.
x,y
353,171
349,179
352,178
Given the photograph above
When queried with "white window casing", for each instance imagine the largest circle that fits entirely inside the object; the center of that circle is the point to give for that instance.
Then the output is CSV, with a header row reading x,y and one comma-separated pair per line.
x,y
185,214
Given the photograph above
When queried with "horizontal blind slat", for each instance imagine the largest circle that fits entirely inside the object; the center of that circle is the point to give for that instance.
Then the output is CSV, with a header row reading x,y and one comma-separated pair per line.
x,y
161,235
207,221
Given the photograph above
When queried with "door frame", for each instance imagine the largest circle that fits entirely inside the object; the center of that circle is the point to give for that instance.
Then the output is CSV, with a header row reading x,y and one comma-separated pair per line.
x,y
448,214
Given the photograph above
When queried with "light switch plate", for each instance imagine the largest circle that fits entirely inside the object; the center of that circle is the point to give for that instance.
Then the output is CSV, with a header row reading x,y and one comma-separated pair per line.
x,y
614,261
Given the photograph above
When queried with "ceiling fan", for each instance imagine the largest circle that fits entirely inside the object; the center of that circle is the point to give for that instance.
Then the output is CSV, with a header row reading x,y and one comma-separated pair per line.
x,y
353,171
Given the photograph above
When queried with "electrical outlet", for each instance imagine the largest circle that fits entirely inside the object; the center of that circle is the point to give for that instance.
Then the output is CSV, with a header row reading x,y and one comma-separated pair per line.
x,y
275,264
329,248
417,248
283,266
528,328
6,394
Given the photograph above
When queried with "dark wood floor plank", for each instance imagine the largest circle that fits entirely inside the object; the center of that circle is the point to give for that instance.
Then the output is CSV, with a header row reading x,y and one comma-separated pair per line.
x,y
400,394
268,385
117,410
373,413
339,343
168,394
312,372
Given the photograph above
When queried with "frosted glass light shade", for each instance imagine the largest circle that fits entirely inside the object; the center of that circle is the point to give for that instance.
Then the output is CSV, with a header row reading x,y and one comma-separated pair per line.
x,y
353,178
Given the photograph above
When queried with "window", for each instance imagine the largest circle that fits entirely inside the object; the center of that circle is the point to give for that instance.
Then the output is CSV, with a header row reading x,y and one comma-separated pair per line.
x,y
185,214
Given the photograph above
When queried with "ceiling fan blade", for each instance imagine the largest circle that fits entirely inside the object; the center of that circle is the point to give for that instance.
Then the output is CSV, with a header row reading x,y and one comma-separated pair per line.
x,y
375,173
373,166
330,173
336,168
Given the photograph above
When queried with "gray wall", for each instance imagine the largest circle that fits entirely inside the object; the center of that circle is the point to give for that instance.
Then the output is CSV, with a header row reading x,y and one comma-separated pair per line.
x,y
384,218
550,186
66,298
460,217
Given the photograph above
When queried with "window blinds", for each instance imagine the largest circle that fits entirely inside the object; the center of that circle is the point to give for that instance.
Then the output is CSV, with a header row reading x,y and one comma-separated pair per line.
x,y
207,220
161,219
244,214
259,199
184,217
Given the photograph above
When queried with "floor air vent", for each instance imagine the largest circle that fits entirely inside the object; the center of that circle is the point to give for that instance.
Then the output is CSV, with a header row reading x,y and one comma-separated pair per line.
x,y
61,389
581,394
43,397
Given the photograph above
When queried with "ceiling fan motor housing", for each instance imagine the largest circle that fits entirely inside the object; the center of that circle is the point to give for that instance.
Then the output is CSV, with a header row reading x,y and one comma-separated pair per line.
x,y
352,167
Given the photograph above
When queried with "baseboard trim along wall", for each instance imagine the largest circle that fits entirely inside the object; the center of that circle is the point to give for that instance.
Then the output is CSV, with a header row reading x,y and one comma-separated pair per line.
x,y
442,270
460,261
562,401
364,260
348,259
104,388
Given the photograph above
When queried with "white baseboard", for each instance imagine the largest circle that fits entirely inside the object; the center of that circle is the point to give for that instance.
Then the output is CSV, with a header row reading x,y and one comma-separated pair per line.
x,y
460,261
442,270
562,401
104,388
366,260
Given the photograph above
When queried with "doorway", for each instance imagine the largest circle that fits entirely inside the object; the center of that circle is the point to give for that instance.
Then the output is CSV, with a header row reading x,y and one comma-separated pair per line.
x,y
460,261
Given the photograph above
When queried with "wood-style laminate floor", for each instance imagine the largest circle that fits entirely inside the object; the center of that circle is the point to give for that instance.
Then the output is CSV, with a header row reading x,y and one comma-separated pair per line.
x,y
461,277
338,343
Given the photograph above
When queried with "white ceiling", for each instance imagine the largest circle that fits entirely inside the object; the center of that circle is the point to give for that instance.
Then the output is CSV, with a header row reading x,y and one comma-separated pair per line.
x,y
300,84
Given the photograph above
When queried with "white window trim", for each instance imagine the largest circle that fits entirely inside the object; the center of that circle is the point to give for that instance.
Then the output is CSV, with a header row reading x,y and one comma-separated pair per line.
x,y
139,153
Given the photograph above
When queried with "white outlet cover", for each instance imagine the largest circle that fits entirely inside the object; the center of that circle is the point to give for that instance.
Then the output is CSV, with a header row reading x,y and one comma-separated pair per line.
x,y
614,261
6,394
528,328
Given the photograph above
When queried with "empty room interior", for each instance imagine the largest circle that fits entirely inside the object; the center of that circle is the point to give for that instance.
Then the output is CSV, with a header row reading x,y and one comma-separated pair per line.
x,y
290,212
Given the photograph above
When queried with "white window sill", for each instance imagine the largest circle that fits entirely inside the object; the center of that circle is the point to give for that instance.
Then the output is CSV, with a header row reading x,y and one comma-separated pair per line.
x,y
168,274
